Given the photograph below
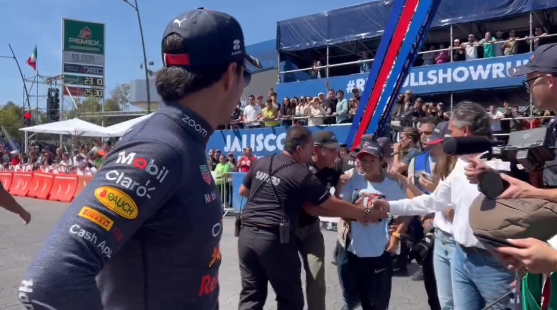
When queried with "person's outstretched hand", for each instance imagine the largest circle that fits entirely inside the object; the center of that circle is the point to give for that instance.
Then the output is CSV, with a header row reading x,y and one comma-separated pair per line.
x,y
531,254
25,216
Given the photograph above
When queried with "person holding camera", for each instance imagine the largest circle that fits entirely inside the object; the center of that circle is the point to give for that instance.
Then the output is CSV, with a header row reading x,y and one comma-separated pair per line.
x,y
532,255
277,188
478,278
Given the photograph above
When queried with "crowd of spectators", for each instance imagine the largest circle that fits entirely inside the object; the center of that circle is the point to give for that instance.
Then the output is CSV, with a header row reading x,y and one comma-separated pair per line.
x,y
332,108
81,160
490,46
336,107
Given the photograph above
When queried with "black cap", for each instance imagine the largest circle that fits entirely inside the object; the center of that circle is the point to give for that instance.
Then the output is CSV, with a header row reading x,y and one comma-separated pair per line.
x,y
211,39
325,139
440,133
371,148
544,60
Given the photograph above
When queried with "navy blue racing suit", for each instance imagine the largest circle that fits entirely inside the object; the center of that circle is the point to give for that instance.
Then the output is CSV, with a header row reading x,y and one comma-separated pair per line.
x,y
144,234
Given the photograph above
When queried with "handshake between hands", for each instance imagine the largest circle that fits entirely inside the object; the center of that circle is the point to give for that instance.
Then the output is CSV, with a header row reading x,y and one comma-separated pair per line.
x,y
374,209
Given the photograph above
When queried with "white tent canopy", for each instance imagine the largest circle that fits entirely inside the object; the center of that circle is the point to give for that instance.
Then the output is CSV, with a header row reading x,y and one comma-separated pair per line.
x,y
120,129
74,127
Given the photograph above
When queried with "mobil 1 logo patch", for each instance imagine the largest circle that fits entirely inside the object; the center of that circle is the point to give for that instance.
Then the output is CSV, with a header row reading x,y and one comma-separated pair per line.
x,y
147,165
129,181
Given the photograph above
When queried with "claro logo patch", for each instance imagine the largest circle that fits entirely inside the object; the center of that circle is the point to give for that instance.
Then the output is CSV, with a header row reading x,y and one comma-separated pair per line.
x,y
96,217
117,201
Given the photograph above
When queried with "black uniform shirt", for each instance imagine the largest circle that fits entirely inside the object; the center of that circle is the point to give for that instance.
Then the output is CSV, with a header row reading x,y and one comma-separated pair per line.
x,y
329,178
294,185
550,170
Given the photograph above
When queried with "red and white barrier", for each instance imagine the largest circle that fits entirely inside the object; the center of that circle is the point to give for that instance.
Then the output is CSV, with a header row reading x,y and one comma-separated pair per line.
x,y
47,186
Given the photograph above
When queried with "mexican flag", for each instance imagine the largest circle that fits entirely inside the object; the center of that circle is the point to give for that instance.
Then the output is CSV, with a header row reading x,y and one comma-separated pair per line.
x,y
32,61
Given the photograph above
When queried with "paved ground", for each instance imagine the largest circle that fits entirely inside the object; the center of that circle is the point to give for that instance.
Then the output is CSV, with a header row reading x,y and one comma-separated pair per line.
x,y
19,243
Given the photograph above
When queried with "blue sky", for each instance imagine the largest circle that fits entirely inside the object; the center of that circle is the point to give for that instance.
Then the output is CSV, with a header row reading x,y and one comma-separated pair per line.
x,y
27,23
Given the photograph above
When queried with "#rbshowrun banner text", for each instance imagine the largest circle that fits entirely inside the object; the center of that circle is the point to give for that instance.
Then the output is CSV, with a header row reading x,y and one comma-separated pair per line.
x,y
486,73
264,141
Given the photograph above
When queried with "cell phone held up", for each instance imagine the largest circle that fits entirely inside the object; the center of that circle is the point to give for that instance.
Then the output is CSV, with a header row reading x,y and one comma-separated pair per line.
x,y
494,242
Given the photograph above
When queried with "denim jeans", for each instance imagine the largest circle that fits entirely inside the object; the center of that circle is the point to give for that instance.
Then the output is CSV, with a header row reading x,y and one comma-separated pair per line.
x,y
479,279
443,255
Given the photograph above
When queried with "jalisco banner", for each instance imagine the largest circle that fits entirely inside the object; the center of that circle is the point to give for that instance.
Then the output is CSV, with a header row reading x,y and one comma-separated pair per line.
x,y
83,37
450,77
264,141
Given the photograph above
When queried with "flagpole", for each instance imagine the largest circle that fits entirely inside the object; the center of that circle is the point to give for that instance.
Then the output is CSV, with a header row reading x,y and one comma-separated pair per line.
x,y
22,77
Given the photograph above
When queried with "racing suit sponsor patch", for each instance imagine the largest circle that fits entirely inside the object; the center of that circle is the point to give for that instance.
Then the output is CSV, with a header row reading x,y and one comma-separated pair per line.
x,y
217,256
92,237
117,201
96,217
25,289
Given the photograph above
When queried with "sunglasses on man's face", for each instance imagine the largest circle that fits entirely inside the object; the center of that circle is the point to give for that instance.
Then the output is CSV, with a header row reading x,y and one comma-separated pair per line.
x,y
529,83
247,77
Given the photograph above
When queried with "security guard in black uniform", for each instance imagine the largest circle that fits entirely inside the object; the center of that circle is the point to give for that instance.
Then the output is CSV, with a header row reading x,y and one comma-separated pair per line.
x,y
277,188
312,244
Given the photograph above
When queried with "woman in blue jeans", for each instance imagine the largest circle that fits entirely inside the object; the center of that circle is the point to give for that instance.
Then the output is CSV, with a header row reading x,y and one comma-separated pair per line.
x,y
444,245
444,242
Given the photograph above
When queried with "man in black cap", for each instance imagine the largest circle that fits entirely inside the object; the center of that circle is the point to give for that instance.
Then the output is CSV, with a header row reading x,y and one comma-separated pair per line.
x,y
312,244
148,227
541,81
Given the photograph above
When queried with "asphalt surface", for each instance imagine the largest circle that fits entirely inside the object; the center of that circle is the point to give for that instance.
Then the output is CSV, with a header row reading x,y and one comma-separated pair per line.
x,y
19,243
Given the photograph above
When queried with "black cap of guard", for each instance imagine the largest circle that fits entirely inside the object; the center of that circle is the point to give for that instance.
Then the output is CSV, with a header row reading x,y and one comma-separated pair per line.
x,y
544,60
211,39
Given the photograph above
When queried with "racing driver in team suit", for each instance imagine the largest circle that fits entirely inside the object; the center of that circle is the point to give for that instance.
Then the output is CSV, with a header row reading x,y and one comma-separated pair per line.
x,y
148,226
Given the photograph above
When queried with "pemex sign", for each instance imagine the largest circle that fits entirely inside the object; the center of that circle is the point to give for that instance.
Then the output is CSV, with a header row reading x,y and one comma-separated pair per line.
x,y
83,37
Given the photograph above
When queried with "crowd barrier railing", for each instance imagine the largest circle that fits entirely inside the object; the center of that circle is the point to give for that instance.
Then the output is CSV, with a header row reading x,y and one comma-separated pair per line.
x,y
45,186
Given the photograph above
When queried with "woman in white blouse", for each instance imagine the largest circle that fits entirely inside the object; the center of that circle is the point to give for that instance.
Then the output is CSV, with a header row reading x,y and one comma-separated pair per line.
x,y
315,112
478,278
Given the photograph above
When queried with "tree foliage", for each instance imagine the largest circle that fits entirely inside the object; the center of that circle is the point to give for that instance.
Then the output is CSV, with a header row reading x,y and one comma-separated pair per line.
x,y
88,109
119,97
11,118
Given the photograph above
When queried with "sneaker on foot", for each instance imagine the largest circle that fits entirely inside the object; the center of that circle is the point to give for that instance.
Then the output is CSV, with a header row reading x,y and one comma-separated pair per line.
x,y
418,276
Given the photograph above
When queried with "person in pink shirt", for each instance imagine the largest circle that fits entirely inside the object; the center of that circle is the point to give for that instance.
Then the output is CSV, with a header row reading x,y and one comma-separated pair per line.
x,y
442,56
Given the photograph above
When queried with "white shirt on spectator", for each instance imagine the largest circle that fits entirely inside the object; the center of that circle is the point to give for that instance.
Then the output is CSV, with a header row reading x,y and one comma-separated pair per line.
x,y
252,112
441,219
496,120
315,115
471,51
455,190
